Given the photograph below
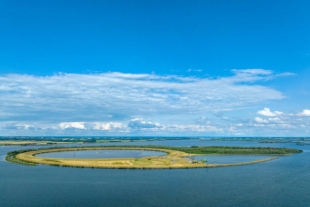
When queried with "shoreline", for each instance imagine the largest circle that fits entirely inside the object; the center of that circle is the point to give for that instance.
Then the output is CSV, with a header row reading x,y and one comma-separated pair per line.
x,y
174,159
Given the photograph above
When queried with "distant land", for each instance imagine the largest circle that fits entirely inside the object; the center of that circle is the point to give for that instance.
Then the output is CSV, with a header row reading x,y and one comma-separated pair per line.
x,y
54,140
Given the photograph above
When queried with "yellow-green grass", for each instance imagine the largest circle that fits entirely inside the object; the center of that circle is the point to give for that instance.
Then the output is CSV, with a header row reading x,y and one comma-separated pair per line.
x,y
173,159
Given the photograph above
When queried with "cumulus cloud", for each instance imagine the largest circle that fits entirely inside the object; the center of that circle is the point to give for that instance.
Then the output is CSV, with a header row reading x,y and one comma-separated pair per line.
x,y
267,112
112,96
141,124
72,125
287,124
276,126
305,112
105,128
102,126
260,120
276,119
26,126
110,126
110,102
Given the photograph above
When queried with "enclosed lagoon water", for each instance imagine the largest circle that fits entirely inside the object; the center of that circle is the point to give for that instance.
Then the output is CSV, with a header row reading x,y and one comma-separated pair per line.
x,y
102,154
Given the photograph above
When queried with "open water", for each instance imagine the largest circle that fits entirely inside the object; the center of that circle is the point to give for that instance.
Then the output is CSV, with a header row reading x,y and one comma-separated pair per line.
x,y
281,182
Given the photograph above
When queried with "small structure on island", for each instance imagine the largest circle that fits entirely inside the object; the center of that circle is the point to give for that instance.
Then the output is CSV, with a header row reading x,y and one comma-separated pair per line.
x,y
195,161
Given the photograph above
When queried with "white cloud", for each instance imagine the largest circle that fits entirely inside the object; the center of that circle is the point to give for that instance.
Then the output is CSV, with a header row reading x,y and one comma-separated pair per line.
x,y
267,112
257,75
109,96
138,123
110,102
193,70
110,126
192,128
103,126
276,119
72,125
286,125
23,126
305,112
253,71
202,120
260,120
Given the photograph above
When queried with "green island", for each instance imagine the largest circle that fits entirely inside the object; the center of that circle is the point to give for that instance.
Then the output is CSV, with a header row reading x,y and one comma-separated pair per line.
x,y
176,157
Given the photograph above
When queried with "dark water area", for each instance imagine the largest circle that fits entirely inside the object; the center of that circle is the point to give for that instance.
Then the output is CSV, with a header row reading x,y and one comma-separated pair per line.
x,y
102,154
281,182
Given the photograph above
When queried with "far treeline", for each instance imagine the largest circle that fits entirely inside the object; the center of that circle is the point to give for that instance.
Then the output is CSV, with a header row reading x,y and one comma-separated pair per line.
x,y
236,150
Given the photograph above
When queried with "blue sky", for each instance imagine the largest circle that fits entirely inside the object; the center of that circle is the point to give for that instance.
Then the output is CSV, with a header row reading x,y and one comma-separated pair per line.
x,y
166,68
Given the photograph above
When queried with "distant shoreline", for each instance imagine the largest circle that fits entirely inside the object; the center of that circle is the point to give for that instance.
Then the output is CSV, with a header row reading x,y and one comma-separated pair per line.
x,y
43,141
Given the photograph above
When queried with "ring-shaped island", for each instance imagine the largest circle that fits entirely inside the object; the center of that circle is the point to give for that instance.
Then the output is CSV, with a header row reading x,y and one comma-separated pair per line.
x,y
175,157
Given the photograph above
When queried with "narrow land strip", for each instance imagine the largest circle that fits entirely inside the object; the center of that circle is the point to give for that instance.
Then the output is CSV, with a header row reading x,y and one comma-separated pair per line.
x,y
176,157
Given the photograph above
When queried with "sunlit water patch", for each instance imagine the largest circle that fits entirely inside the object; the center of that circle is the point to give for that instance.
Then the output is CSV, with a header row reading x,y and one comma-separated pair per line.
x,y
102,154
2,158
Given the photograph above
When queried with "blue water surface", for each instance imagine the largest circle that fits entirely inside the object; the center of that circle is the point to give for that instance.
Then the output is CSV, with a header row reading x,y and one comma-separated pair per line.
x,y
281,182
102,154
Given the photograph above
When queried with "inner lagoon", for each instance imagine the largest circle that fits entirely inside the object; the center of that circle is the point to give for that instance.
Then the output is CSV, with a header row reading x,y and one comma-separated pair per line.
x,y
102,154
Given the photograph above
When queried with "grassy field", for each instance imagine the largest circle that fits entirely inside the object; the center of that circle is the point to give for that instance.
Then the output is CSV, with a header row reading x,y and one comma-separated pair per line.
x,y
177,157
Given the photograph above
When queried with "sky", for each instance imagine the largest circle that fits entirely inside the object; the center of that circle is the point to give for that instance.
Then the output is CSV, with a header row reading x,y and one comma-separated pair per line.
x,y
155,68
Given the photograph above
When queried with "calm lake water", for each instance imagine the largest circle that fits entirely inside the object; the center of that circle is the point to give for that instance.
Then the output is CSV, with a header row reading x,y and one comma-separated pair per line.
x,y
281,182
102,154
